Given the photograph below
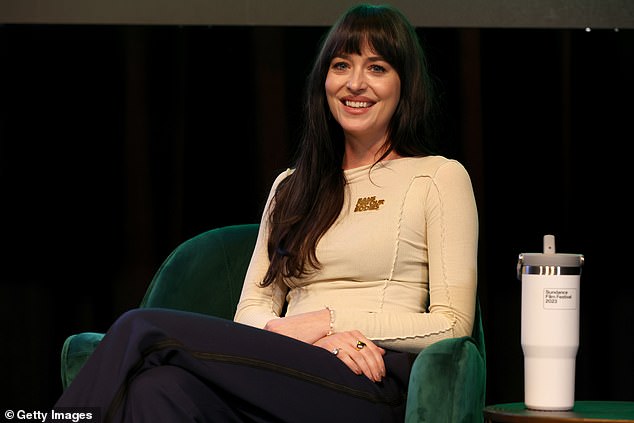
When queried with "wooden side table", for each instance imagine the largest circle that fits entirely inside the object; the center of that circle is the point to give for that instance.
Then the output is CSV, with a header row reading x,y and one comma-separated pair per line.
x,y
584,411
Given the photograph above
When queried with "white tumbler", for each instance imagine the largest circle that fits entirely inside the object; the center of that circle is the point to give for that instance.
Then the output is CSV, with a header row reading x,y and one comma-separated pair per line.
x,y
550,326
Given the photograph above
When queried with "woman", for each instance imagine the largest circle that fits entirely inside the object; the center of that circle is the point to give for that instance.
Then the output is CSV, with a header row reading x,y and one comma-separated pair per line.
x,y
366,254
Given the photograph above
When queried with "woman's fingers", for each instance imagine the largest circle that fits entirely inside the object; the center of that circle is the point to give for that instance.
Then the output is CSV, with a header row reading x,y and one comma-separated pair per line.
x,y
370,360
368,356
359,353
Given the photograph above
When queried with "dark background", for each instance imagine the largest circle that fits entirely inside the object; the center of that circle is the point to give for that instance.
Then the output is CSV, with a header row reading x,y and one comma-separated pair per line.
x,y
119,142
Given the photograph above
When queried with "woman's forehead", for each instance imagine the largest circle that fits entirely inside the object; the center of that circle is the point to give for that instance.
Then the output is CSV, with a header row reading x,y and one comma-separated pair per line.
x,y
362,44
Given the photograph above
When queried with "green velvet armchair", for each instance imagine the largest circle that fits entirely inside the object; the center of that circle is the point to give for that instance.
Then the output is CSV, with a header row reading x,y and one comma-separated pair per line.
x,y
205,274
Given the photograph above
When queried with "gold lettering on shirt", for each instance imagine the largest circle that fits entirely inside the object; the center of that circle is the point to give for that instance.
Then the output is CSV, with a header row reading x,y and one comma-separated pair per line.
x,y
368,203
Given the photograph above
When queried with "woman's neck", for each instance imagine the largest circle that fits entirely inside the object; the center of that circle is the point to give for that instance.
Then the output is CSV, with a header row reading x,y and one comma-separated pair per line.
x,y
357,157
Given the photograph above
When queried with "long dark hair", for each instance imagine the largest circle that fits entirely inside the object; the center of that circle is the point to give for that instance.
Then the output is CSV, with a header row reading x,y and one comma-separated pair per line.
x,y
307,202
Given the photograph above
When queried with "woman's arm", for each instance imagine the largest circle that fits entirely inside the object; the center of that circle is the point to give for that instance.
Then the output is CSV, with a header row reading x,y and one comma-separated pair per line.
x,y
257,305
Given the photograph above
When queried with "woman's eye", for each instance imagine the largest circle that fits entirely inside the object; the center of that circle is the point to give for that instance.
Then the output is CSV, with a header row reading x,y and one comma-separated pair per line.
x,y
339,66
377,68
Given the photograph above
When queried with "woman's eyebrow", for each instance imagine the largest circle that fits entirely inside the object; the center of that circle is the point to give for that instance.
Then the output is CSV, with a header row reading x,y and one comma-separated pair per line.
x,y
341,56
346,56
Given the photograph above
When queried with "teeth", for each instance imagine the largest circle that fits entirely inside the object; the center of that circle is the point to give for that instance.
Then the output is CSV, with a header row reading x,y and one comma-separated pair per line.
x,y
357,104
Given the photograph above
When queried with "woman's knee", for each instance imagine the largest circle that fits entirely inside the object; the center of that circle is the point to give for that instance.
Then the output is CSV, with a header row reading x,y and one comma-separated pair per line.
x,y
133,317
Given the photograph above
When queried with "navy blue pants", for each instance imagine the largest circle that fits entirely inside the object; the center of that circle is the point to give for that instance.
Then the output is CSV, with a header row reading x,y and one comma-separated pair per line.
x,y
158,365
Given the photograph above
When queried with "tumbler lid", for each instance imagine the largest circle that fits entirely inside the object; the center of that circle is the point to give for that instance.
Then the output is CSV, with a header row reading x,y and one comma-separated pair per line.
x,y
550,258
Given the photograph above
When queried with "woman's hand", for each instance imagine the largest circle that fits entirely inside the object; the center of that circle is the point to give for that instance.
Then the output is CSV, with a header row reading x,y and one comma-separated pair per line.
x,y
307,327
359,353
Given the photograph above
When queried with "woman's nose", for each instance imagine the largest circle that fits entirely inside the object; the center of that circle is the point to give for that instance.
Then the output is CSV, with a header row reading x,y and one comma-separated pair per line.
x,y
357,81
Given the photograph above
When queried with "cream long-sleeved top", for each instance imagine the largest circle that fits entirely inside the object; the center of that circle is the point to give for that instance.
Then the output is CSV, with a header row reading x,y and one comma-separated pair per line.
x,y
399,264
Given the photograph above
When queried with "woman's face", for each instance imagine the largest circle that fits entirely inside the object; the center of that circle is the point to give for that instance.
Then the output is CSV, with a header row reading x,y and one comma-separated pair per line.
x,y
363,92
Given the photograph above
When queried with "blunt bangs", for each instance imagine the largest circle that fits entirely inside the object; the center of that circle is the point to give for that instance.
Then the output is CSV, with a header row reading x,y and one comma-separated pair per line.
x,y
370,26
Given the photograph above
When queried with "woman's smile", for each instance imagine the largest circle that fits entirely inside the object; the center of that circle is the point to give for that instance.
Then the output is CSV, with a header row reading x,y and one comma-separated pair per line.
x,y
357,104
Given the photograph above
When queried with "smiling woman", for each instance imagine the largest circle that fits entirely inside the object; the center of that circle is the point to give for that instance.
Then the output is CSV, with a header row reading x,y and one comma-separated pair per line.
x,y
337,300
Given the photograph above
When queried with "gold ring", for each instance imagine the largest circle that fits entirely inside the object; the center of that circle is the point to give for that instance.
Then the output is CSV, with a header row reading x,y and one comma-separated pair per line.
x,y
360,345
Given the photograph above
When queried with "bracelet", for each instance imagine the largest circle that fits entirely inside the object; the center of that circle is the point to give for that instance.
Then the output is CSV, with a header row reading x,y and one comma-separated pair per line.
x,y
332,321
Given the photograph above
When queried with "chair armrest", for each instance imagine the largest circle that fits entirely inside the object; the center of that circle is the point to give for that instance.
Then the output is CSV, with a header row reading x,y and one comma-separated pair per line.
x,y
75,351
447,383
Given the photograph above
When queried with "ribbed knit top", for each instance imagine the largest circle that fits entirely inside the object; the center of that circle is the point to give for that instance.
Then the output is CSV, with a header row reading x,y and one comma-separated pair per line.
x,y
399,264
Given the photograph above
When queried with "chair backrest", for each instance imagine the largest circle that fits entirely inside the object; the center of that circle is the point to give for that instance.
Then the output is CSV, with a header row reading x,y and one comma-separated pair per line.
x,y
205,273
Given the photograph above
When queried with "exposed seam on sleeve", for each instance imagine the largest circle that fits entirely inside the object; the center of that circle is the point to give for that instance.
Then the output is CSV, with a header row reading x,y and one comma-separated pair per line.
x,y
443,246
